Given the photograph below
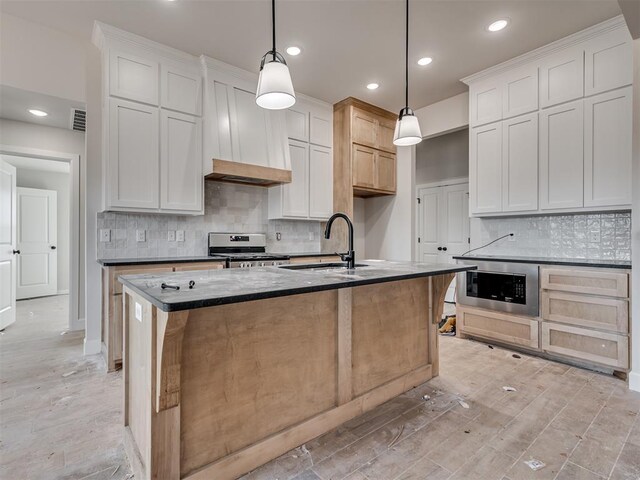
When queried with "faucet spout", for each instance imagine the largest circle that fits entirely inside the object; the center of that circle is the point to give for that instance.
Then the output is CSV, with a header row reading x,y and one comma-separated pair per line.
x,y
350,256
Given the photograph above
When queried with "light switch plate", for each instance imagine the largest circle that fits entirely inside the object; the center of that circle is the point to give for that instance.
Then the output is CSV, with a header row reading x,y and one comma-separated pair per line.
x,y
179,235
141,235
171,236
310,235
105,235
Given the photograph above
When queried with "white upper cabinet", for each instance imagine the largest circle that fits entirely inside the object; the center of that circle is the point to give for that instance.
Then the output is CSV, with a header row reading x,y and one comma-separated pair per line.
x,y
133,77
298,124
520,92
485,99
320,182
607,148
131,179
295,195
181,88
321,128
562,77
520,163
181,162
485,169
561,156
608,62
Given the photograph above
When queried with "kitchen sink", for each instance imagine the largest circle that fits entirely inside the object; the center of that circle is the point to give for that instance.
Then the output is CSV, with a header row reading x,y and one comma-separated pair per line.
x,y
318,266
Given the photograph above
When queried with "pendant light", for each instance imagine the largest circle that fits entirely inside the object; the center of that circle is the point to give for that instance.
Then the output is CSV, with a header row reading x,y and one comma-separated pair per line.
x,y
407,127
275,89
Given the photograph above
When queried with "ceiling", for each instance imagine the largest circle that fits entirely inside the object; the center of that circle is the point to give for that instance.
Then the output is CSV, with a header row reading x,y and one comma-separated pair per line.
x,y
346,44
15,104
39,164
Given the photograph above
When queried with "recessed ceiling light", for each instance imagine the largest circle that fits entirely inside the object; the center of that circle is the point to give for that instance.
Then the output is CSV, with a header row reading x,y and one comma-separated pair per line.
x,y
425,61
372,86
293,51
38,113
498,25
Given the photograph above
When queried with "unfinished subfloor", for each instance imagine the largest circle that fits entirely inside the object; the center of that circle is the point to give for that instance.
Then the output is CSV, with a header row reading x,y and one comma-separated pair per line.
x,y
60,417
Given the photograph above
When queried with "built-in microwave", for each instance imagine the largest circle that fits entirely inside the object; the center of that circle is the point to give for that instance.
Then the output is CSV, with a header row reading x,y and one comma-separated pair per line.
x,y
503,286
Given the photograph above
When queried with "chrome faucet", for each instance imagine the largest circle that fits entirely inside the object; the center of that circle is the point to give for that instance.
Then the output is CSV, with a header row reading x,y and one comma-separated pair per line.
x,y
350,256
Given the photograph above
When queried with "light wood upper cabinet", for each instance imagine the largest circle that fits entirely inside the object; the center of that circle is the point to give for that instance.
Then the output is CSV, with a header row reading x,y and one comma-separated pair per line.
x,y
485,101
181,162
132,167
385,171
561,156
520,92
608,62
364,128
386,129
363,167
181,88
485,169
133,77
561,77
607,148
520,163
320,182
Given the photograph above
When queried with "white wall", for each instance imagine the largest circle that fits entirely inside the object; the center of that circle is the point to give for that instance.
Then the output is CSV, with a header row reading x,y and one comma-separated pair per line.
x,y
60,182
634,377
443,157
39,59
445,116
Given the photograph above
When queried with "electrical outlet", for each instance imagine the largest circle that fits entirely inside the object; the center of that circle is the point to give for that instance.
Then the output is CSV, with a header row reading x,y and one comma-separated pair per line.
x,y
594,237
512,239
141,235
278,236
105,235
171,236
179,235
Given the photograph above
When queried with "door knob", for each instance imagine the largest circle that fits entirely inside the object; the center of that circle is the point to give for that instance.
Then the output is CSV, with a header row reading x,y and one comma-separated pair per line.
x,y
444,248
16,252
440,249
53,247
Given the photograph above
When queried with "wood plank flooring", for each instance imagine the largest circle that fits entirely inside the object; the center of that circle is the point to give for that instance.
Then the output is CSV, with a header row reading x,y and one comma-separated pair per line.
x,y
55,424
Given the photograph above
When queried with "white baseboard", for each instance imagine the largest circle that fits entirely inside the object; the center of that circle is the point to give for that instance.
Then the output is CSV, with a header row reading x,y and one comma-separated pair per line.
x,y
77,325
634,381
92,347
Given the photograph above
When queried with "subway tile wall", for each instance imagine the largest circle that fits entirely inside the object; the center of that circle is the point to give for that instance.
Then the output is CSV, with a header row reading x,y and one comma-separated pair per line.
x,y
602,236
228,208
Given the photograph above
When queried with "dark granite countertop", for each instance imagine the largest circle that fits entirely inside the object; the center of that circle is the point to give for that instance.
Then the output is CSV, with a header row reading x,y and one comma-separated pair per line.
x,y
114,262
235,285
573,262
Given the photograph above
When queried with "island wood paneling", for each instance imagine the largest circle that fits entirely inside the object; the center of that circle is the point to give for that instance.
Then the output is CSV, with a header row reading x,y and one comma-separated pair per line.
x,y
252,369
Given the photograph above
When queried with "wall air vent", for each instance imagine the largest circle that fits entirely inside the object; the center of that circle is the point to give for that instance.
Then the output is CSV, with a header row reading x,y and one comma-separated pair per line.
x,y
78,119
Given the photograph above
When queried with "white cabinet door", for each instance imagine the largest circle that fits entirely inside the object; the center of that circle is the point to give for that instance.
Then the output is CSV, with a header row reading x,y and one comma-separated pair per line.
x,y
295,195
520,94
249,128
520,163
321,128
181,89
485,101
607,148
133,162
133,77
298,123
8,237
320,182
608,62
181,162
485,169
561,77
561,157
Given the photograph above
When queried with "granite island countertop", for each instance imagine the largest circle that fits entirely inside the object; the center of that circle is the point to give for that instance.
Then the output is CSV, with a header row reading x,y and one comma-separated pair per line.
x,y
571,262
235,285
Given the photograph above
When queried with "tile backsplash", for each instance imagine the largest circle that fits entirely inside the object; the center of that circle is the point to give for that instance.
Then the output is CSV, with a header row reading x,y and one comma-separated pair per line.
x,y
602,236
228,208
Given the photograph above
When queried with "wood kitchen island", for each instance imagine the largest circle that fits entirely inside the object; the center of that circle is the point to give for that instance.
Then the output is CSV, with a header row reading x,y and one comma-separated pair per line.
x,y
248,364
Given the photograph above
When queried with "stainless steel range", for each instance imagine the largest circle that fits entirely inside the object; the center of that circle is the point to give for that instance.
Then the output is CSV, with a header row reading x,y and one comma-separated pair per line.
x,y
244,250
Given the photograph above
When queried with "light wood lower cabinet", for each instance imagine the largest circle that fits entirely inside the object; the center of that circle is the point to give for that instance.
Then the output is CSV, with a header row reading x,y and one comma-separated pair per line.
x,y
112,302
585,310
591,281
324,259
593,346
502,327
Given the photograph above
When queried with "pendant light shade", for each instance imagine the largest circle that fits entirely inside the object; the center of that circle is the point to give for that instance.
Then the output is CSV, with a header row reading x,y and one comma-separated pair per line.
x,y
275,89
407,130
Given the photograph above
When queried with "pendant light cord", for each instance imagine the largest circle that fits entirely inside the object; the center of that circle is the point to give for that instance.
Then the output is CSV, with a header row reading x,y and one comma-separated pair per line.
x,y
406,58
273,26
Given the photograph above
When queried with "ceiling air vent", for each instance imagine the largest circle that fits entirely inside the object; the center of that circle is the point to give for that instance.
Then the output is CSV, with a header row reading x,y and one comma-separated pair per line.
x,y
78,119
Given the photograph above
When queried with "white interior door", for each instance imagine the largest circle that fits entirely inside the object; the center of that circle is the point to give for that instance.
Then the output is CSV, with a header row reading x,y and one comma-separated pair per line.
x,y
37,243
7,244
430,215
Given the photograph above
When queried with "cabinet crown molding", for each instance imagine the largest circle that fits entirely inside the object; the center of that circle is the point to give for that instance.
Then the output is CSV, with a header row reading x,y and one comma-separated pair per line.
x,y
594,31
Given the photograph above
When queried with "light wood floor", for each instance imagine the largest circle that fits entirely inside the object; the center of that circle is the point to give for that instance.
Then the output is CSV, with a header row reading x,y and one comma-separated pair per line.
x,y
55,424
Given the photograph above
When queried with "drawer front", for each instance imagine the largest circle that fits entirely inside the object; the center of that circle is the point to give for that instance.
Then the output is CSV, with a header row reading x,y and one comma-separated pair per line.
x,y
117,286
593,282
586,311
590,345
498,326
331,259
187,267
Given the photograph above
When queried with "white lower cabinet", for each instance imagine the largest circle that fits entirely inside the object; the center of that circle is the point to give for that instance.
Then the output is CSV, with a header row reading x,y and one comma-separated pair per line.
x,y
607,148
181,185
520,164
485,169
132,166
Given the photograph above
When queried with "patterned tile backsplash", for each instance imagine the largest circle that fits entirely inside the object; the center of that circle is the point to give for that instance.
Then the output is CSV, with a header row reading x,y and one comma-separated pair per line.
x,y
228,208
602,236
